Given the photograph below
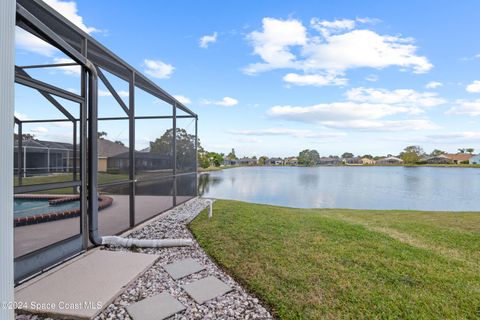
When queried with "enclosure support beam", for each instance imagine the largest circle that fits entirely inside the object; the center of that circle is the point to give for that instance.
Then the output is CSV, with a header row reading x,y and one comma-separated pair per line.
x,y
48,97
22,77
54,65
113,91
7,78
131,142
174,147
74,155
196,156
20,153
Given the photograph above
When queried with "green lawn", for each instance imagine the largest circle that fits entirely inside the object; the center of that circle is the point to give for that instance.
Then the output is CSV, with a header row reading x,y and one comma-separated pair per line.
x,y
209,169
349,264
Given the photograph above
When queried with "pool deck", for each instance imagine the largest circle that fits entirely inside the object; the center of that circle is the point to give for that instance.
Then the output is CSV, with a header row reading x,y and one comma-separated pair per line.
x,y
112,220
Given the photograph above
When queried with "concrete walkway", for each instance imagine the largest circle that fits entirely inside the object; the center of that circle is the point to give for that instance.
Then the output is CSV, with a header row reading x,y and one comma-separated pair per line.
x,y
81,288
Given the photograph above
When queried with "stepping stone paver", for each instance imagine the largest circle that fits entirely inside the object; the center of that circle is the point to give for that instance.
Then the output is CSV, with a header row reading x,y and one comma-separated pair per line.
x,y
157,307
183,268
206,289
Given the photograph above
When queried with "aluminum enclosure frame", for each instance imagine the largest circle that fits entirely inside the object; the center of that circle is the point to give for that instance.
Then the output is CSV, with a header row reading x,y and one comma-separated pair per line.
x,y
42,21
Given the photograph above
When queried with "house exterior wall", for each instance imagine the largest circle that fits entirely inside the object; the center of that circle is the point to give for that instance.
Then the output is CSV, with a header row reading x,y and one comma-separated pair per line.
x,y
7,101
102,165
475,159
368,161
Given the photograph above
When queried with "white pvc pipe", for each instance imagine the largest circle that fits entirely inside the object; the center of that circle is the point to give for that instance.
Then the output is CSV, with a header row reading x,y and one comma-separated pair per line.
x,y
7,100
210,208
140,243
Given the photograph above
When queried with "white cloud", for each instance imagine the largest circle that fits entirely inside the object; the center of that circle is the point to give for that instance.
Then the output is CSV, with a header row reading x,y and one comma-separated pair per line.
x,y
455,136
336,111
284,44
27,41
158,69
327,27
372,78
207,39
69,70
69,10
39,130
433,85
366,109
474,87
466,107
404,97
273,44
248,140
364,48
106,93
182,99
21,116
383,125
297,133
226,102
317,80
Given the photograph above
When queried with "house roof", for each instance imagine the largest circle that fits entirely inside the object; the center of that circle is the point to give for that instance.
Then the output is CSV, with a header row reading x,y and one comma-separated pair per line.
x,y
459,156
139,155
44,144
107,148
441,156
390,159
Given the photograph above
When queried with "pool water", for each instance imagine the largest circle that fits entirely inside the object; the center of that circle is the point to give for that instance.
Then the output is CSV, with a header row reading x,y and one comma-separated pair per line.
x,y
32,207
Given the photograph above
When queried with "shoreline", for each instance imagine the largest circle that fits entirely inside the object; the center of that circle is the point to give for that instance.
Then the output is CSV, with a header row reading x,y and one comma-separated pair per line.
x,y
471,166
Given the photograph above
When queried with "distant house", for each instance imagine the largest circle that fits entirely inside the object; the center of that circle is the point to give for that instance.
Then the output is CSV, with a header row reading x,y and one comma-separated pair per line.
x,y
389,161
106,150
274,161
354,160
247,161
329,161
459,157
291,161
43,157
368,161
440,159
144,161
230,162
474,159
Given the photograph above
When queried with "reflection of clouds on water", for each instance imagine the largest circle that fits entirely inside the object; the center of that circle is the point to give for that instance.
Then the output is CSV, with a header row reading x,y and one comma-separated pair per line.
x,y
420,188
308,180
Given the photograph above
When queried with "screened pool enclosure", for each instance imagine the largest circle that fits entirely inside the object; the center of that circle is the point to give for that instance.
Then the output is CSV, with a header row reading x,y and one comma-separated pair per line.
x,y
96,152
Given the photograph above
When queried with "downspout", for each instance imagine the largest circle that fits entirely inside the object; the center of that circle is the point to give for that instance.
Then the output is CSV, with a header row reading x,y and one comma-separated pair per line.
x,y
92,152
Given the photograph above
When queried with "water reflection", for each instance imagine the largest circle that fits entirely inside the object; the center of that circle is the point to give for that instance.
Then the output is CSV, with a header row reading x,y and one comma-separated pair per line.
x,y
418,188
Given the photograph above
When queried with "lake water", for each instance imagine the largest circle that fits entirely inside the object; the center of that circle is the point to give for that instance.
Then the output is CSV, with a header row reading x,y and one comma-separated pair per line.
x,y
409,188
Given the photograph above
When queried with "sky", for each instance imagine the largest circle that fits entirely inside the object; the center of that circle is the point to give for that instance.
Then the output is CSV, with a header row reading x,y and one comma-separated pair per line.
x,y
276,77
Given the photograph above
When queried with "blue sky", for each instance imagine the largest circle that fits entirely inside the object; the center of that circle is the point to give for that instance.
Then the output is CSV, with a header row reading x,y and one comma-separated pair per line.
x,y
275,77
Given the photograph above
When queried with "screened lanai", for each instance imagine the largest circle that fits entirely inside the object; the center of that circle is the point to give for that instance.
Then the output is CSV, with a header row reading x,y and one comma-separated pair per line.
x,y
98,147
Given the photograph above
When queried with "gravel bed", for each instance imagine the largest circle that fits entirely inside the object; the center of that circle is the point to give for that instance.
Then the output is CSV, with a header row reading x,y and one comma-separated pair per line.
x,y
237,304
